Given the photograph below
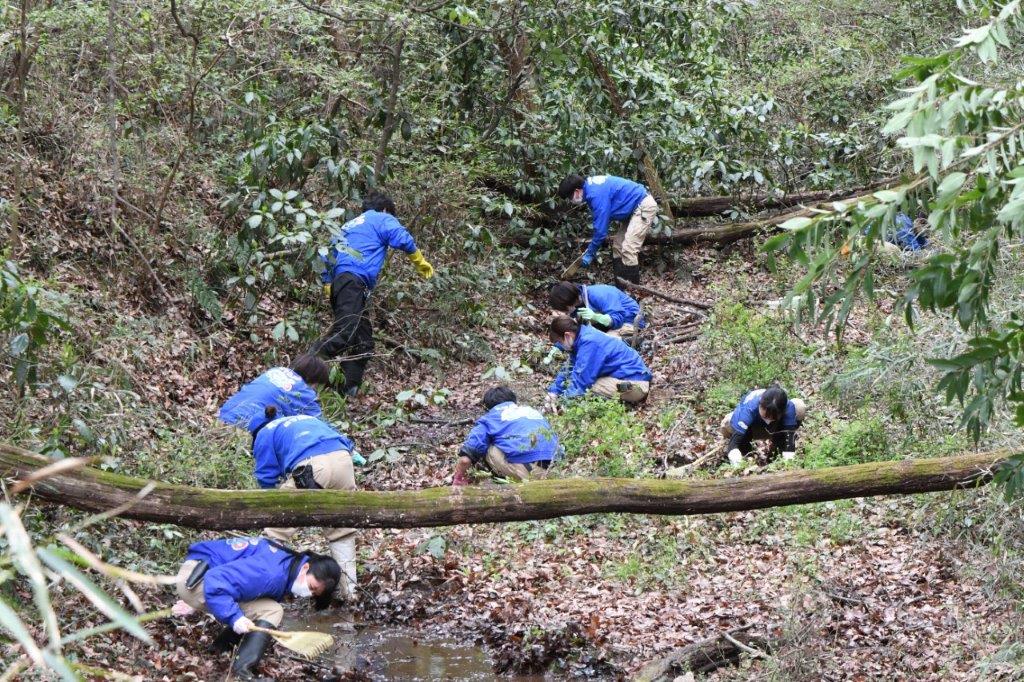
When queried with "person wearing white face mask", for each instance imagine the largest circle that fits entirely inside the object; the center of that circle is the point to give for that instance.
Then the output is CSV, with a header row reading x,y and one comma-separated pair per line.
x,y
763,414
241,582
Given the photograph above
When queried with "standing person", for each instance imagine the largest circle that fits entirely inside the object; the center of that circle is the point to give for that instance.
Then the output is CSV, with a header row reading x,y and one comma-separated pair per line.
x,y
605,307
305,453
241,582
763,414
511,440
289,389
351,267
601,364
614,198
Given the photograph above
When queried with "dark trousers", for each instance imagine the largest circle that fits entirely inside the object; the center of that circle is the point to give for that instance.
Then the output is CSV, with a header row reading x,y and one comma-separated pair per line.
x,y
350,333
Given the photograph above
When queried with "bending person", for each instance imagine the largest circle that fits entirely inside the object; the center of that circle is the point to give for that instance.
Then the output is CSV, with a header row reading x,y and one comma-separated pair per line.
x,y
763,414
306,453
601,364
241,582
351,268
289,389
605,307
511,440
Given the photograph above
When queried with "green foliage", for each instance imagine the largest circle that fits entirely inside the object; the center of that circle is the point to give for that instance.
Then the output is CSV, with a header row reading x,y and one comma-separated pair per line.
x,y
863,439
601,436
28,321
213,460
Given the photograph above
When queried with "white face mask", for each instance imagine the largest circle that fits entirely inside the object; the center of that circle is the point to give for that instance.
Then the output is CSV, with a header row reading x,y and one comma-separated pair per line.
x,y
301,589
577,198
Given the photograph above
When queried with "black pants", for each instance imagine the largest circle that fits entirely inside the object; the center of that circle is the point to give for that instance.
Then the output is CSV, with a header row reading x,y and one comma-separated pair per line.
x,y
350,333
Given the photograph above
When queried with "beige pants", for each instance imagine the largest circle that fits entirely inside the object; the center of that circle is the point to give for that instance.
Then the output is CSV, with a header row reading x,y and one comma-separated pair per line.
x,y
626,244
257,609
625,330
608,387
332,471
725,428
500,466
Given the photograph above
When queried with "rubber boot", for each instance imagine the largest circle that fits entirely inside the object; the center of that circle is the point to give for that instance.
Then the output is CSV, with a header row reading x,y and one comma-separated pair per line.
x,y
250,652
226,641
353,371
618,271
631,273
344,552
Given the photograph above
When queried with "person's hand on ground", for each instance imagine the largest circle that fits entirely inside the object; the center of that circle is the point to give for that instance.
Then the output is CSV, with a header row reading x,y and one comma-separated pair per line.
x,y
735,457
180,608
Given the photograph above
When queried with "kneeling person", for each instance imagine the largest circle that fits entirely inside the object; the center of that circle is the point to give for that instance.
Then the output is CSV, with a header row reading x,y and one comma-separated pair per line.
x,y
512,441
605,307
599,363
306,453
241,582
763,414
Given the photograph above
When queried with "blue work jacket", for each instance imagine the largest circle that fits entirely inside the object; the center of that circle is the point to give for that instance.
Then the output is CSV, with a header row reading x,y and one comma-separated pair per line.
x,y
241,570
366,240
746,415
610,198
612,301
278,386
520,432
287,441
594,355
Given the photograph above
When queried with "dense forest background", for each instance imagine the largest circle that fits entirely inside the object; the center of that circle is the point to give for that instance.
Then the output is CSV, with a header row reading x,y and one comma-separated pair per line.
x,y
168,171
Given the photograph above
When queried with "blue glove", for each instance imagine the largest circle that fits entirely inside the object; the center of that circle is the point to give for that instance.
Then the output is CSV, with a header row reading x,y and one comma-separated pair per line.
x,y
587,259
358,459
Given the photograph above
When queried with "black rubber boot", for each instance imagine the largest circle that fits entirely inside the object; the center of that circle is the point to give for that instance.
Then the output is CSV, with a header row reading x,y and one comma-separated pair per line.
x,y
250,652
227,640
631,273
618,269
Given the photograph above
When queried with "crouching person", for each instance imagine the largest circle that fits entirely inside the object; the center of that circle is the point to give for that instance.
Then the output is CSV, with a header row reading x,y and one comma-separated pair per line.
x,y
241,582
605,307
763,414
599,363
306,453
291,390
511,441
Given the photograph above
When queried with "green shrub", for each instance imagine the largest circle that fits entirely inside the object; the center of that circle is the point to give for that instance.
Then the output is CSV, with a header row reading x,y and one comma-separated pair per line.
x,y
601,436
860,440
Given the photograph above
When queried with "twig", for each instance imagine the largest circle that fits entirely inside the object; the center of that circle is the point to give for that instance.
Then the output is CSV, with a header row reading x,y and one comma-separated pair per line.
x,y
755,653
441,422
50,470
700,307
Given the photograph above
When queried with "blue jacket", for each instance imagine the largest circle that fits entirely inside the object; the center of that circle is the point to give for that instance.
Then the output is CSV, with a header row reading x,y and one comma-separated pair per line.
x,y
285,442
610,198
746,415
517,430
905,237
595,355
278,386
611,301
369,236
241,570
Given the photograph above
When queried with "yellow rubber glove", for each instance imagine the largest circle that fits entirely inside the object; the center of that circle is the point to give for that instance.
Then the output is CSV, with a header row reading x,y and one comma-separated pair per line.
x,y
327,290
425,269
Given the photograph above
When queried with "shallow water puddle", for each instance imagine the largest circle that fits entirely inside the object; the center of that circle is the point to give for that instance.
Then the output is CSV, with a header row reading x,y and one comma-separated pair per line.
x,y
400,653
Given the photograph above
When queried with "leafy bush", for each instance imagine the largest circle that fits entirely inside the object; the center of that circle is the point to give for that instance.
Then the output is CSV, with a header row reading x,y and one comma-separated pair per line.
x,y
601,436
861,440
27,322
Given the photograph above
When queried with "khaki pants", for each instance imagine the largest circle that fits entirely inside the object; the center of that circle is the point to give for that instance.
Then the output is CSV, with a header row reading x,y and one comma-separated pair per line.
x,y
625,330
500,466
725,428
626,244
257,609
332,471
608,387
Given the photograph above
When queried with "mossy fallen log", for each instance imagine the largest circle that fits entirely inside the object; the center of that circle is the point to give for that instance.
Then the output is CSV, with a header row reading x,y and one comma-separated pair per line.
x,y
94,490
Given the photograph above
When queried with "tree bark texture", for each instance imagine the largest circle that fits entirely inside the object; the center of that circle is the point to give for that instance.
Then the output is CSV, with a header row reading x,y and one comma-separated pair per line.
x,y
94,490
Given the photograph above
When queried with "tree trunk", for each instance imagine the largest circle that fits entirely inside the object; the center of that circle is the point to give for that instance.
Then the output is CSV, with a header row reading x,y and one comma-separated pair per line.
x,y
702,657
699,207
95,490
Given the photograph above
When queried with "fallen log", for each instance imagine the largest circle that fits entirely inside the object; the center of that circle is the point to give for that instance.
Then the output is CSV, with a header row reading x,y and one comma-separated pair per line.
x,y
207,508
697,306
706,656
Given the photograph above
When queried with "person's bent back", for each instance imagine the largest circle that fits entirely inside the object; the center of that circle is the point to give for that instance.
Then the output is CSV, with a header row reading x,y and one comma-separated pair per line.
x,y
290,390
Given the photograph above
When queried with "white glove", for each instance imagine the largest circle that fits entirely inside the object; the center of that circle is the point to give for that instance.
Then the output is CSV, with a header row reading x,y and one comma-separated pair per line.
x,y
786,456
735,457
180,608
551,403
243,625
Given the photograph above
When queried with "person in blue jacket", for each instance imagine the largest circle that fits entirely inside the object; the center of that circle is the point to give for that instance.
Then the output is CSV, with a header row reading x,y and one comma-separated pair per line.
x,y
241,582
289,389
306,453
351,267
601,364
763,414
605,307
614,198
512,441
910,235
